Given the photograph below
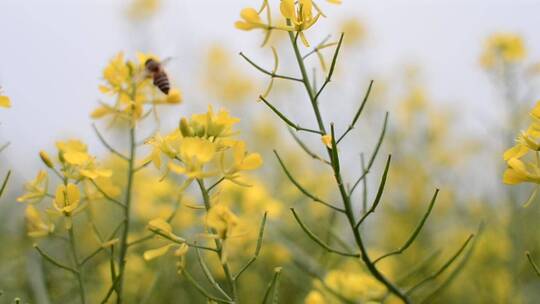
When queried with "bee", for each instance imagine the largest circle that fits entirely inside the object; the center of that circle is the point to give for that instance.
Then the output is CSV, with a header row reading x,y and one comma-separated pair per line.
x,y
155,70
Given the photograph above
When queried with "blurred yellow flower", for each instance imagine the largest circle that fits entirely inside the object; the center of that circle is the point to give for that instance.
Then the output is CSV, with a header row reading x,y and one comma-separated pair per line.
x,y
36,226
354,31
314,297
36,190
5,102
503,48
222,220
142,9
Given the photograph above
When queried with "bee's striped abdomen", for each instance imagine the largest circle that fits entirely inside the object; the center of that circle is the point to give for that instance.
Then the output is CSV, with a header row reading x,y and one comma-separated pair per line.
x,y
162,82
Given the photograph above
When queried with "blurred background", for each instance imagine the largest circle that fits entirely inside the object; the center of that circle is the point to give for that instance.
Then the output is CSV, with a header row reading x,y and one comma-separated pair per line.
x,y
452,115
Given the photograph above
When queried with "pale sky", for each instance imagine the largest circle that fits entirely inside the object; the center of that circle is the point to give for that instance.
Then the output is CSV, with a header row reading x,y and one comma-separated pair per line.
x,y
52,53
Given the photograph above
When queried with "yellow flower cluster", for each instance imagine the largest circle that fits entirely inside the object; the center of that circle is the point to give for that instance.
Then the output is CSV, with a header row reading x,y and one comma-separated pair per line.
x,y
202,147
75,168
503,48
299,16
132,87
528,142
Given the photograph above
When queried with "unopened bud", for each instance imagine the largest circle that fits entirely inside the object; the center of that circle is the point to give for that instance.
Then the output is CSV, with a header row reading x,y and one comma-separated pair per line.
x,y
46,159
185,128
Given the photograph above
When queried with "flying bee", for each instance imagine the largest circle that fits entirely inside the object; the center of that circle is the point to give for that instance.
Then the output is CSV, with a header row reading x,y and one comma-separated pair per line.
x,y
155,70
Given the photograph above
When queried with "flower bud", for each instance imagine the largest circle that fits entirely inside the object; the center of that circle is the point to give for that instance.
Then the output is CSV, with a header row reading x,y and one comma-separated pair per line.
x,y
185,128
46,159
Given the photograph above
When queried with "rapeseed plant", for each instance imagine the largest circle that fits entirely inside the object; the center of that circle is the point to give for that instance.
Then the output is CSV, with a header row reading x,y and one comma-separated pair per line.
x,y
299,17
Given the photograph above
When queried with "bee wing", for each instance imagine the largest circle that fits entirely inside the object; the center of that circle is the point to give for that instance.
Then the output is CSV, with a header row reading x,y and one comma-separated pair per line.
x,y
166,61
142,75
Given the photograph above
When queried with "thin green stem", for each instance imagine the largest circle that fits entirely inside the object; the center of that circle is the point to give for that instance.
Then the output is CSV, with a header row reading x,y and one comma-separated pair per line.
x,y
287,120
271,74
272,287
358,112
445,266
302,189
533,264
107,145
415,233
54,261
78,274
317,240
127,204
219,245
4,183
257,248
378,197
366,170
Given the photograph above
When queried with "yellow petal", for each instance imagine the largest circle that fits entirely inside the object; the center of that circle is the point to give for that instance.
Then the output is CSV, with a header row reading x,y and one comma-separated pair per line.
x,y
155,253
327,140
512,177
287,9
516,151
250,15
251,162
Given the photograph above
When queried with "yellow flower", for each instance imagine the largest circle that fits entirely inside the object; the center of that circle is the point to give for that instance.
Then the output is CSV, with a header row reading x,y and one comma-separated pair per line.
x,y
73,152
242,161
67,198
35,224
212,125
36,190
133,89
194,153
507,47
334,1
222,220
300,15
79,164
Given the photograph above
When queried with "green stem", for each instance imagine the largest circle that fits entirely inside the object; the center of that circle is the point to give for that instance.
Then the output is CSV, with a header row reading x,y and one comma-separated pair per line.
x,y
78,274
219,245
127,205
339,181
